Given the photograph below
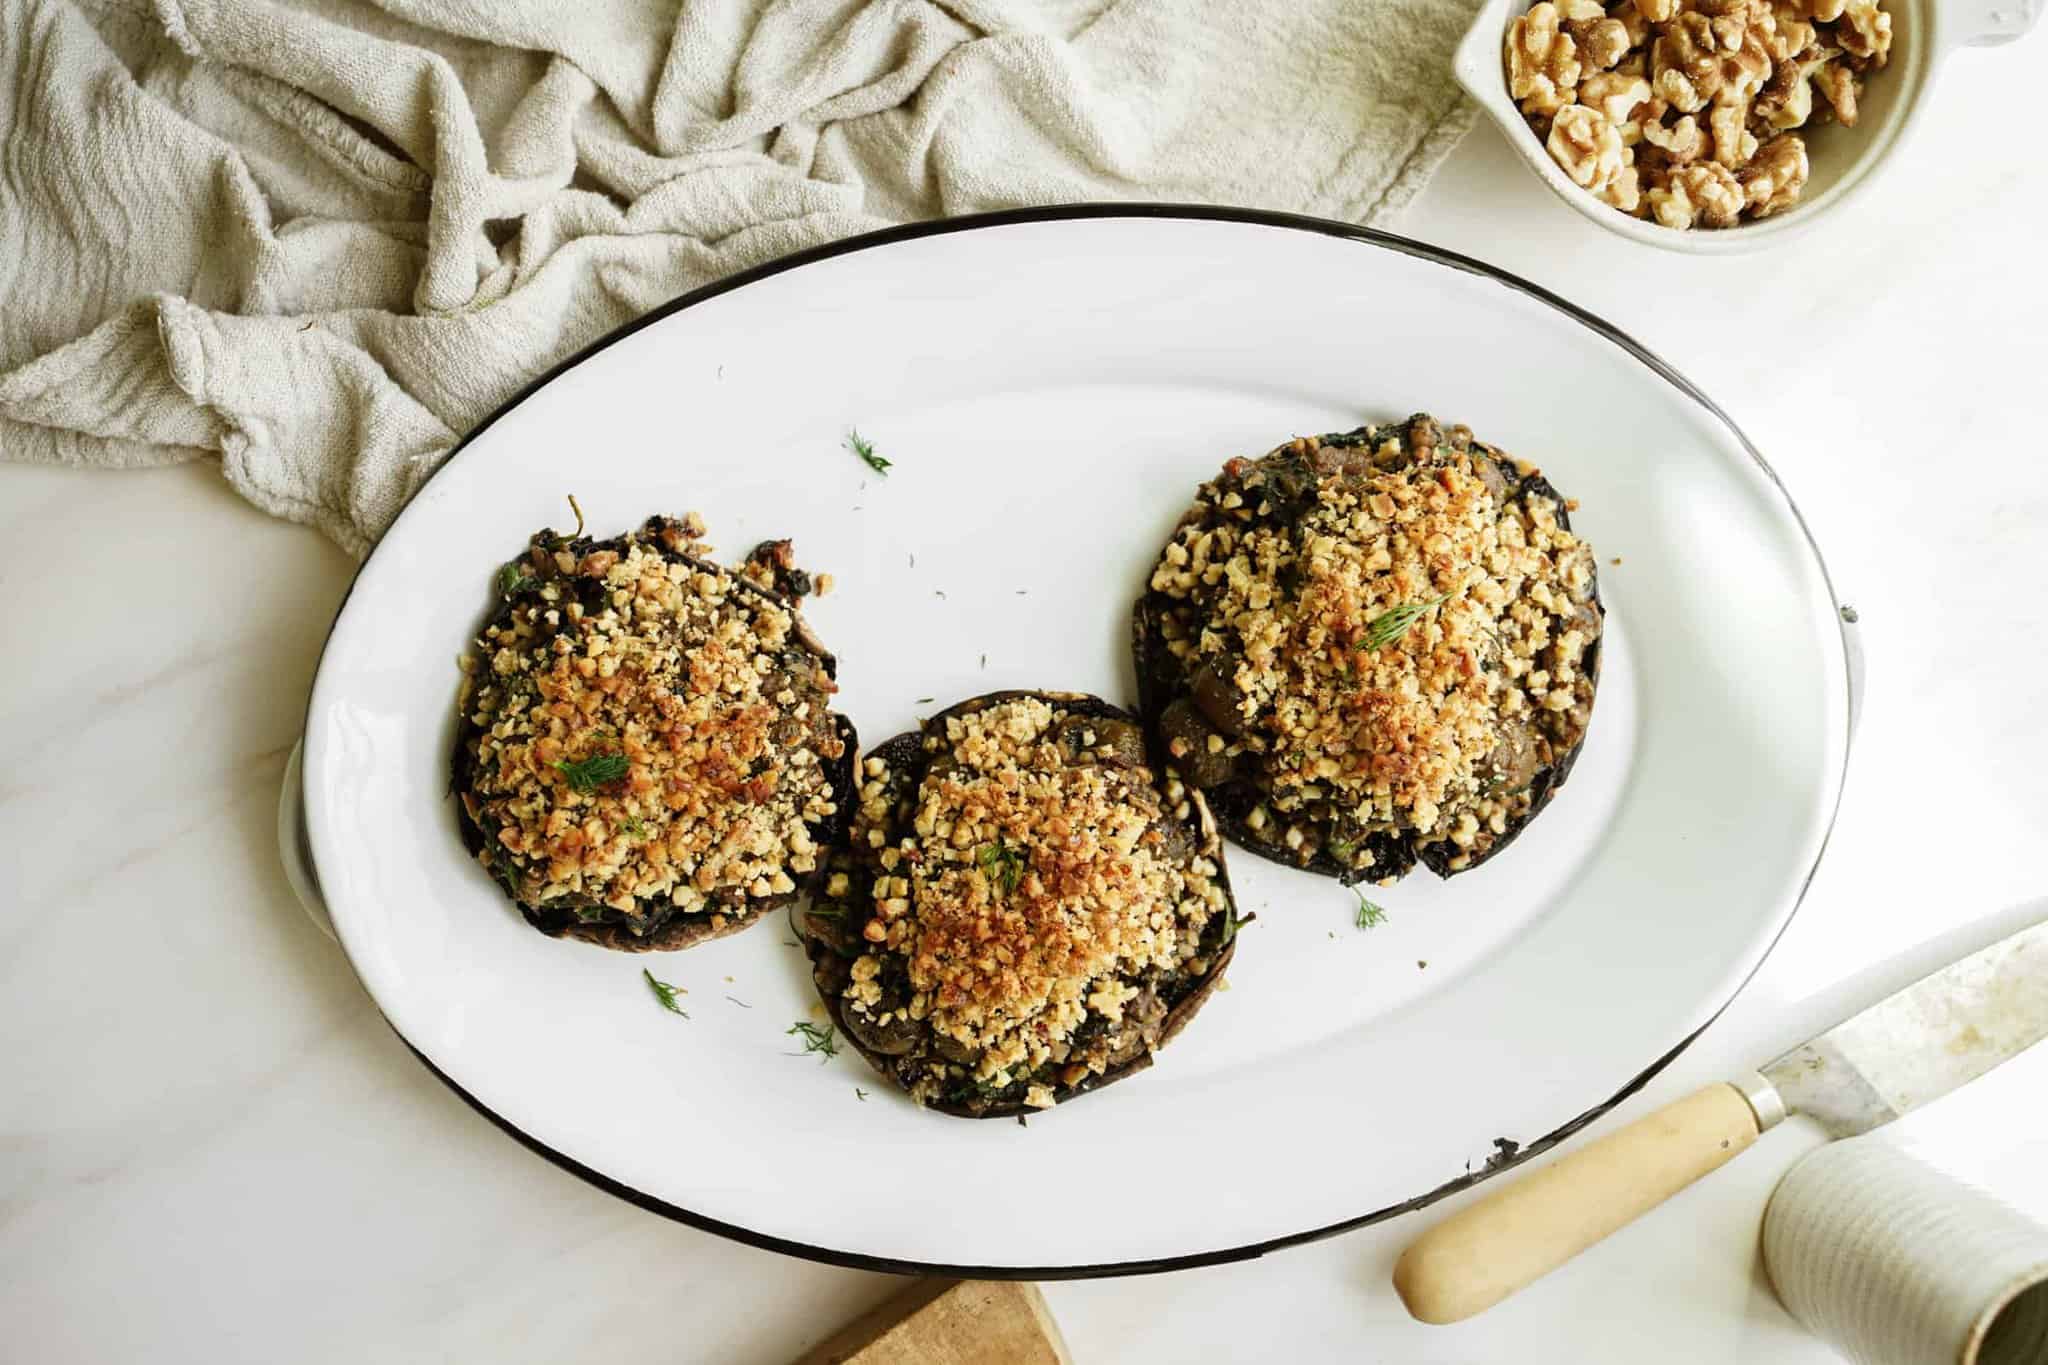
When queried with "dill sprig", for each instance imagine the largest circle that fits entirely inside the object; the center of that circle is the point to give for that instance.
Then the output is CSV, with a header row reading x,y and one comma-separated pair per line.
x,y
588,774
815,1039
1392,624
633,827
863,447
514,579
666,993
1370,916
507,878
972,1088
1001,864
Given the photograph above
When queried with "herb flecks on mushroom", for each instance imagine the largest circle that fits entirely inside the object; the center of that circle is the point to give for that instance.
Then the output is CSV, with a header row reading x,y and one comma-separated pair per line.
x,y
1025,908
647,754
1372,646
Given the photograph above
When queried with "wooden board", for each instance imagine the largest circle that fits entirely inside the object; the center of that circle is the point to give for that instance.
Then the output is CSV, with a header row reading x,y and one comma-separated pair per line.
x,y
950,1322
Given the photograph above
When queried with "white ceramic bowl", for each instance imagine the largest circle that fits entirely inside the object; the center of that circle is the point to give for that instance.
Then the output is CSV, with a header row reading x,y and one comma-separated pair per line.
x,y
1843,159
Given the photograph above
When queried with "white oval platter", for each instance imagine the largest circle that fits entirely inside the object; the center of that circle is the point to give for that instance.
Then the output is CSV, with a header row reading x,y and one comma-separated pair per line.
x,y
1050,386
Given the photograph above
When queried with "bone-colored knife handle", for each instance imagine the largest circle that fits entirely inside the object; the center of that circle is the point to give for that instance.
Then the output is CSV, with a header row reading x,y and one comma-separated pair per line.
x,y
1480,1255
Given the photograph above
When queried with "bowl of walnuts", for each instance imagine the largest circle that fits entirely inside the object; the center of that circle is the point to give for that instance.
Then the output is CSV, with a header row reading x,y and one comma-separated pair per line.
x,y
1714,126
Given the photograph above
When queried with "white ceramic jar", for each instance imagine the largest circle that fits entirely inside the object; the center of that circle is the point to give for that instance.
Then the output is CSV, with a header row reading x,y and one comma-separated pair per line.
x,y
1895,1263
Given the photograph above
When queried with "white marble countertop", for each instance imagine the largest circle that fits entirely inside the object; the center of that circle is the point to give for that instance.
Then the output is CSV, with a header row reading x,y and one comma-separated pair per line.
x,y
211,1147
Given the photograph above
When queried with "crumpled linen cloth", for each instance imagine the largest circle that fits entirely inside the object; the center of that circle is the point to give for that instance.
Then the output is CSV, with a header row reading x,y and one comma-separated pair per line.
x,y
321,240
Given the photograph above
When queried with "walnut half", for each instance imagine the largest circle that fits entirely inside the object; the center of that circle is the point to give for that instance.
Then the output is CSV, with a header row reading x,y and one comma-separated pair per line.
x,y
1587,146
1734,144
1685,63
1772,181
1865,31
1703,192
1542,61
1838,83
1616,96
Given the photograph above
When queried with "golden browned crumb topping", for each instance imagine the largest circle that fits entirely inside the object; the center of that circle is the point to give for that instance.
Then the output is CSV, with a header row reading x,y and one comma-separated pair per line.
x,y
1379,640
1397,726
649,736
1035,888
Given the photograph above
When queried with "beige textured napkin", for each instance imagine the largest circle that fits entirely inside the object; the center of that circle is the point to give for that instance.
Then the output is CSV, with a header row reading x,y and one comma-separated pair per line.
x,y
322,240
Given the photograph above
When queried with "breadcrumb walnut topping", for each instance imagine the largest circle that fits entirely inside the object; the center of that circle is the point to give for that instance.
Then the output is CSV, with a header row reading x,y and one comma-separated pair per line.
x,y
1022,904
646,736
1681,111
1370,644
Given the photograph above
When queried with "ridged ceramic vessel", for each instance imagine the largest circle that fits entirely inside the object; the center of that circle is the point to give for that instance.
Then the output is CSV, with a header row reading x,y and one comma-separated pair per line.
x,y
1894,1263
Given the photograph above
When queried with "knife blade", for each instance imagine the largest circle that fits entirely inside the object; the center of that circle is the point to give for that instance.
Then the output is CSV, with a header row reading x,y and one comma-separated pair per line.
x,y
1946,1029
1912,1047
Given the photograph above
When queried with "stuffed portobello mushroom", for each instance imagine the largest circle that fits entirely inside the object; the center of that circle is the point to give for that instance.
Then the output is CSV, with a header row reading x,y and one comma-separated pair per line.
x,y
1373,648
646,755
1025,908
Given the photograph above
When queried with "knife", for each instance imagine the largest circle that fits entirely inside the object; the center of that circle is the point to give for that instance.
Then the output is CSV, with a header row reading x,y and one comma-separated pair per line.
x,y
1945,1029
